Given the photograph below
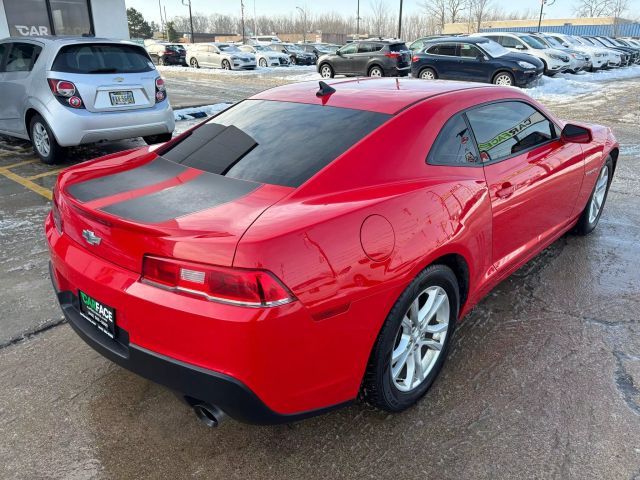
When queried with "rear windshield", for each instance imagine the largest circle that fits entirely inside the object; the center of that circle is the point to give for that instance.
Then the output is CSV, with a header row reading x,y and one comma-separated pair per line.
x,y
280,143
398,47
105,58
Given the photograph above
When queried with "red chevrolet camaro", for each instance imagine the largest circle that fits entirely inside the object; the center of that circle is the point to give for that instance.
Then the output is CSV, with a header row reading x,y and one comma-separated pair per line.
x,y
307,245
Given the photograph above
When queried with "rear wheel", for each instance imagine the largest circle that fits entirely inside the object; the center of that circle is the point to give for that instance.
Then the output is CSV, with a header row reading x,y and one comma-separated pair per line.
x,y
160,138
194,63
503,78
44,143
428,74
326,71
592,212
414,341
376,71
161,61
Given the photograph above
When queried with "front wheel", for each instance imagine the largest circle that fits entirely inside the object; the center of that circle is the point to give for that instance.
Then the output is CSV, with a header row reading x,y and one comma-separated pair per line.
x,y
226,65
504,78
414,341
292,60
326,71
591,214
160,138
44,143
263,63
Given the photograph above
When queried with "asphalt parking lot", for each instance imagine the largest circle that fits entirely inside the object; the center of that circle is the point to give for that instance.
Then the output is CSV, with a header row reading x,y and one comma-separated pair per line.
x,y
543,380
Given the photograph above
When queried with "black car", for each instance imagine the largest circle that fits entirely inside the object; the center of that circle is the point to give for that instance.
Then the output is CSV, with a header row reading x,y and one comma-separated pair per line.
x,y
319,49
373,58
167,54
475,59
297,56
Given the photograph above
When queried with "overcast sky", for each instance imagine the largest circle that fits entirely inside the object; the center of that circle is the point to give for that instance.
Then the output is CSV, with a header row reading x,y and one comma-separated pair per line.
x,y
150,8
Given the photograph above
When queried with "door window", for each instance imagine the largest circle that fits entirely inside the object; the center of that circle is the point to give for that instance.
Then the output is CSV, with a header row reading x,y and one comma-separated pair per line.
x,y
470,51
504,129
454,144
349,49
22,57
365,48
448,49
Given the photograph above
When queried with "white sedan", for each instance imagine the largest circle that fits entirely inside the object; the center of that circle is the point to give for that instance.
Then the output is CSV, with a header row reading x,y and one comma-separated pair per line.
x,y
265,56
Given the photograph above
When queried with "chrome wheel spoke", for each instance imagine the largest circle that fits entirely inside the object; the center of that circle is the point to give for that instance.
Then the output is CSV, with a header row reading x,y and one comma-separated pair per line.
x,y
431,344
436,328
418,375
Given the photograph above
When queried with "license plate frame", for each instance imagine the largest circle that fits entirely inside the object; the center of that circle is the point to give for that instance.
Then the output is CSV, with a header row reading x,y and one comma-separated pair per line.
x,y
122,98
98,314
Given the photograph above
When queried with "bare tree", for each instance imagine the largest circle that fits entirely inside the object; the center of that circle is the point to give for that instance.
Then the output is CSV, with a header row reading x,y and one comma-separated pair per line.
x,y
479,10
380,18
437,9
455,9
592,8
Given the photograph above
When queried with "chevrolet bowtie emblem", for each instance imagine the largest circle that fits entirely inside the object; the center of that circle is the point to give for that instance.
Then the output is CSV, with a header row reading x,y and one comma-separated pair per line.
x,y
118,79
91,238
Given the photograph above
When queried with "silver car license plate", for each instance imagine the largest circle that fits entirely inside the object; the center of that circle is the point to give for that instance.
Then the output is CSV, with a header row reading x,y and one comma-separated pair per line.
x,y
122,98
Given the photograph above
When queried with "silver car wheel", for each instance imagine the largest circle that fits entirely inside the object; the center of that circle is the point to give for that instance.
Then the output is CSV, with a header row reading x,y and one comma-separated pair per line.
x,y
598,194
375,72
325,71
427,75
421,338
226,65
503,79
263,62
41,139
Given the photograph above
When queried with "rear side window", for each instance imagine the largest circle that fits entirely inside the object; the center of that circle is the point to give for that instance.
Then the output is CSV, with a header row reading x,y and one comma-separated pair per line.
x,y
102,58
454,145
398,47
280,143
21,57
506,128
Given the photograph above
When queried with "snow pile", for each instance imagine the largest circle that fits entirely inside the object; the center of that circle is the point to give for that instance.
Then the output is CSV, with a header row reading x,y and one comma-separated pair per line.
x,y
566,86
193,113
257,72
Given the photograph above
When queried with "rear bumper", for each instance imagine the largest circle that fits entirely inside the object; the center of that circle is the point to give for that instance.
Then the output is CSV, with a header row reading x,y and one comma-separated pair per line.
x,y
77,127
196,384
257,365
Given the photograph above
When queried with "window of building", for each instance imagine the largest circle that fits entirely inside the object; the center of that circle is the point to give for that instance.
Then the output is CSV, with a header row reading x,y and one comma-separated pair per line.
x,y
48,17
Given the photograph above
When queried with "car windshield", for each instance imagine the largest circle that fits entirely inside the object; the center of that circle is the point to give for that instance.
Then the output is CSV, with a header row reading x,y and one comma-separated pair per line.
x,y
281,143
102,58
532,42
493,48
294,48
229,48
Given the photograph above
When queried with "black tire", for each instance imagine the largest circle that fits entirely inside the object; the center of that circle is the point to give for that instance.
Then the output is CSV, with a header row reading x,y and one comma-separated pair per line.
x,y
426,71
292,60
160,138
37,129
585,224
375,71
226,65
504,74
328,68
194,62
378,387
161,61
263,62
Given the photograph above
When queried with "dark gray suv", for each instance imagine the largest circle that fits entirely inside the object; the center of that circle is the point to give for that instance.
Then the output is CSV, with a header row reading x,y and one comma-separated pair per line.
x,y
373,58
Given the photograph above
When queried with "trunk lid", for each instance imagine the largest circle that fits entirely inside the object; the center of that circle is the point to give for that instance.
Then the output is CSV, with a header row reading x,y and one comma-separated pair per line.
x,y
161,208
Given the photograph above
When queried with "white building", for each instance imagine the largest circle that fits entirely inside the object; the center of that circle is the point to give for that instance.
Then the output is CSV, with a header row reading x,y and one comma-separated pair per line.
x,y
102,18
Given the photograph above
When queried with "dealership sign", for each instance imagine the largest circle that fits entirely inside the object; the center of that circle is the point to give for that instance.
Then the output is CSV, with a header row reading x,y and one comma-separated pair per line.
x,y
32,29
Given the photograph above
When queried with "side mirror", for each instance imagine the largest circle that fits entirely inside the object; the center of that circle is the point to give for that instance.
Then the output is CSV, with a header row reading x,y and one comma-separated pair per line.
x,y
339,53
576,134
520,47
482,58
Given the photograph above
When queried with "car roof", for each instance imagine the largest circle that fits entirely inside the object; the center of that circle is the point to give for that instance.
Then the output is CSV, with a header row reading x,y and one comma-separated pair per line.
x,y
382,95
69,40
458,39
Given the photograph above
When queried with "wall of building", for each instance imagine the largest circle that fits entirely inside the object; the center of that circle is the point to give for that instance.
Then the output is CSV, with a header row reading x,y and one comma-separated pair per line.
x,y
110,19
4,26
517,25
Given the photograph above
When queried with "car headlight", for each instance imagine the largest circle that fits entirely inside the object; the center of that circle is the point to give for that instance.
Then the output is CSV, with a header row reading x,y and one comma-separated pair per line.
x,y
555,57
524,64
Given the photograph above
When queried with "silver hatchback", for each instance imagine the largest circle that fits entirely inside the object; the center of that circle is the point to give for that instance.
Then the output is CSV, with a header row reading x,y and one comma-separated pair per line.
x,y
60,92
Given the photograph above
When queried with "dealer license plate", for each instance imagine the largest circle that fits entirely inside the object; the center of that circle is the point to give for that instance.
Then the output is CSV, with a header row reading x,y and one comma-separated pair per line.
x,y
101,316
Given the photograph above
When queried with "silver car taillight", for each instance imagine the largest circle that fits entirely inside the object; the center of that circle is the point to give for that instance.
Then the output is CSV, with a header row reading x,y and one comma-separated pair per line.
x,y
66,93
161,90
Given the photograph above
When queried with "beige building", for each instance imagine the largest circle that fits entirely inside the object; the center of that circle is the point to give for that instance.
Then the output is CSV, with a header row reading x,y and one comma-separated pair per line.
x,y
533,23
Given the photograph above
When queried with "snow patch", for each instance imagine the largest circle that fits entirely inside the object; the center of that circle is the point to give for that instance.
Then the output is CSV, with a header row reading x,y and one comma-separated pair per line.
x,y
257,72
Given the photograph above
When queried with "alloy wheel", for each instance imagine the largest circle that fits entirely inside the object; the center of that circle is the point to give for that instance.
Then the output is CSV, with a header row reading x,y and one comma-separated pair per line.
x,y
325,71
226,65
375,72
41,139
597,199
263,62
427,75
420,339
194,63
503,79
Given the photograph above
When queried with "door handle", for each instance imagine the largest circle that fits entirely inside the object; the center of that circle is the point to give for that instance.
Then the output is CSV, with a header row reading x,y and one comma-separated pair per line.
x,y
506,190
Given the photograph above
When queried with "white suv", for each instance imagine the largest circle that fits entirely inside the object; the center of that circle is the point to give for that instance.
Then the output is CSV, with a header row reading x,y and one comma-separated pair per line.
x,y
599,56
62,92
555,61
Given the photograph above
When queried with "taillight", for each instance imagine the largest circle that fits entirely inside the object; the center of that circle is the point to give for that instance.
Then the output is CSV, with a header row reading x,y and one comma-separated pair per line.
x,y
66,93
161,91
235,286
57,219
415,58
393,55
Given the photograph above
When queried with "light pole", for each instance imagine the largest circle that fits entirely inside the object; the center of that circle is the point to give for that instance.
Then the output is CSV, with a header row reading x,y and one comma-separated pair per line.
x,y
542,4
188,3
304,24
400,22
242,19
358,22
